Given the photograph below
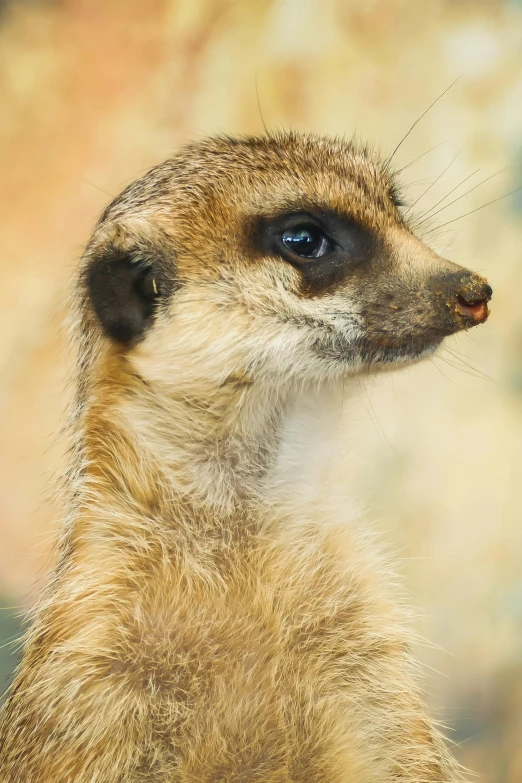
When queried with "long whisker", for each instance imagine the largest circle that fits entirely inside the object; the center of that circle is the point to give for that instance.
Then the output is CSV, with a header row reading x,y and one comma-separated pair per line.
x,y
97,187
375,420
430,214
439,234
450,192
458,364
432,360
259,107
458,358
435,181
506,195
442,143
419,182
189,251
389,160
458,367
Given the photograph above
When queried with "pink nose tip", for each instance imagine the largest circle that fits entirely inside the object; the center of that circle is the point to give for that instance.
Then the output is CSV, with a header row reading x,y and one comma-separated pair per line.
x,y
479,312
472,300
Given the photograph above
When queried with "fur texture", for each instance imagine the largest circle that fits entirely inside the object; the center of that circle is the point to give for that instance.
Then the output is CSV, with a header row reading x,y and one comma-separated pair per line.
x,y
218,612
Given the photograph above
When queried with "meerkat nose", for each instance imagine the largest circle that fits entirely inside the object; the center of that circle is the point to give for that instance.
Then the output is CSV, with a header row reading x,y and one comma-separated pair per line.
x,y
473,299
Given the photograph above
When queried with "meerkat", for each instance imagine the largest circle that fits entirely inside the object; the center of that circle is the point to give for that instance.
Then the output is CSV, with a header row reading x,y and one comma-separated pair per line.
x,y
218,613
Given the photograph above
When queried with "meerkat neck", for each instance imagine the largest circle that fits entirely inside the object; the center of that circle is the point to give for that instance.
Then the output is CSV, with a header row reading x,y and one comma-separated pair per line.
x,y
161,449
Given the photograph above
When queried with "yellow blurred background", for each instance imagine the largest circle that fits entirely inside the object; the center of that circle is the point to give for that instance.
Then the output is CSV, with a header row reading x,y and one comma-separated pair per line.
x,y
94,93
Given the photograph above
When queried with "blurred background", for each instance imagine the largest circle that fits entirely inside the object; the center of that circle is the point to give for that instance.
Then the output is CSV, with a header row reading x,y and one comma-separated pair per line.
x,y
94,93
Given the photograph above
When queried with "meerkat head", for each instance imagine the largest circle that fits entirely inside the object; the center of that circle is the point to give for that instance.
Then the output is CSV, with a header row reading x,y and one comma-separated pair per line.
x,y
283,257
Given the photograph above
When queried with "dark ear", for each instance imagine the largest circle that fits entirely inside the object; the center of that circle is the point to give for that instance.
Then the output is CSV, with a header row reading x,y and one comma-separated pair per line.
x,y
127,282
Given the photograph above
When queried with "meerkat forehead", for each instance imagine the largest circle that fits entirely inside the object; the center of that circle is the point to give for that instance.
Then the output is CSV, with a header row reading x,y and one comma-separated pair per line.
x,y
229,178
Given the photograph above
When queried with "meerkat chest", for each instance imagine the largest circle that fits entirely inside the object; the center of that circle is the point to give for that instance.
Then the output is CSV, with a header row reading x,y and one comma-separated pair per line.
x,y
291,598
264,663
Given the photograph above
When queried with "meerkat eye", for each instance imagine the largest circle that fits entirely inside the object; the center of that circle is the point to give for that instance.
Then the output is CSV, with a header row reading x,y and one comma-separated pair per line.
x,y
321,243
306,241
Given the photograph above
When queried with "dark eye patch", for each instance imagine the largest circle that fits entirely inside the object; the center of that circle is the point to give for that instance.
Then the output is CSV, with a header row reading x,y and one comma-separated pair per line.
x,y
322,244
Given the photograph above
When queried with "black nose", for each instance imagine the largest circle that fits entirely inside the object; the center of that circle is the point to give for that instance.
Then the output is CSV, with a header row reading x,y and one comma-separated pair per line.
x,y
473,295
476,292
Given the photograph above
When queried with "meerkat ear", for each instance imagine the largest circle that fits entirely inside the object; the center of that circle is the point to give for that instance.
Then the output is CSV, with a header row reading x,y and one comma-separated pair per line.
x,y
128,278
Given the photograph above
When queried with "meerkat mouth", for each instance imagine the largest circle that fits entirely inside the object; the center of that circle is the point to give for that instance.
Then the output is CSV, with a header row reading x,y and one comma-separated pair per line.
x,y
479,311
373,355
377,353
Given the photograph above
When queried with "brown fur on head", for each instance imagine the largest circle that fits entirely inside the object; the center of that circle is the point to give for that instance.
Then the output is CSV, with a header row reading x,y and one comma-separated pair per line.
x,y
203,253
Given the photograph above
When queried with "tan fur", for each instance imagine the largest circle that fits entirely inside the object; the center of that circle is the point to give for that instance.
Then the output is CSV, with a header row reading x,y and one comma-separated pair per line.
x,y
218,612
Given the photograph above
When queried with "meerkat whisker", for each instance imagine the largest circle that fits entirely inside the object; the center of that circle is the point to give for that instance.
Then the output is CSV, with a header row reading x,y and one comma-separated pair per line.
x,y
459,359
430,214
452,161
457,365
472,212
452,190
419,157
389,160
259,106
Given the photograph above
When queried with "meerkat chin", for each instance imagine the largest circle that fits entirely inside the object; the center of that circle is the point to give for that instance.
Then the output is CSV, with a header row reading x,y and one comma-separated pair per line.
x,y
217,613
